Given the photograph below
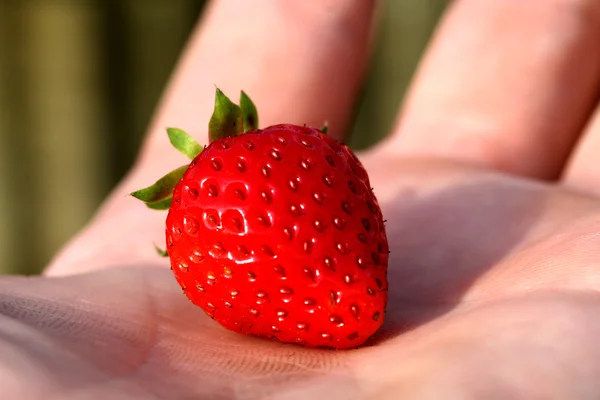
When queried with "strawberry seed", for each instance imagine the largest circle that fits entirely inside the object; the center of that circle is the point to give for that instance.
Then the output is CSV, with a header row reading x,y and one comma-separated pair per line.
x,y
241,165
336,320
216,164
328,180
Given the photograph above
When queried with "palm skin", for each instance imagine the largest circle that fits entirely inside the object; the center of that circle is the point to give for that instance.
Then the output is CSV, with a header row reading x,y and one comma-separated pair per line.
x,y
491,296
489,187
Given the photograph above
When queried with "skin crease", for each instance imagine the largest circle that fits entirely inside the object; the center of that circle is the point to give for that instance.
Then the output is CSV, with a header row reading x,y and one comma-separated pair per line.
x,y
493,272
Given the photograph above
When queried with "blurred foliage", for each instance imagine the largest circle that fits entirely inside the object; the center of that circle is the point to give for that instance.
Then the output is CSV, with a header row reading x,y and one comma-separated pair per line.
x,y
79,80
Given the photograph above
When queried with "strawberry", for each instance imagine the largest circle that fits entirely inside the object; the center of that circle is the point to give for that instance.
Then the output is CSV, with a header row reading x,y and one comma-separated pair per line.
x,y
275,232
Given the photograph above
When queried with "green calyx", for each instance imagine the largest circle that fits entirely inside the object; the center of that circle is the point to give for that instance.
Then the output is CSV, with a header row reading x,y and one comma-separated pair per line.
x,y
159,195
228,120
161,252
249,112
184,143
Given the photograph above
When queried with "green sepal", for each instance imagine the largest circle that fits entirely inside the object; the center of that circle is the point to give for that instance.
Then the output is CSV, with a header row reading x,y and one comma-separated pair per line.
x,y
164,204
227,120
249,112
162,189
161,252
325,128
184,143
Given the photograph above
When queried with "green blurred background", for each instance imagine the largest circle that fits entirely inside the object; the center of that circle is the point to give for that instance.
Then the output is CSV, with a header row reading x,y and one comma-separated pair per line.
x,y
79,80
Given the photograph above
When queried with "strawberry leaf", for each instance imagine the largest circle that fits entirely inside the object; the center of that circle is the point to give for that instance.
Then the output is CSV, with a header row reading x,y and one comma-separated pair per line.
x,y
161,252
184,143
226,120
164,204
325,128
249,112
162,189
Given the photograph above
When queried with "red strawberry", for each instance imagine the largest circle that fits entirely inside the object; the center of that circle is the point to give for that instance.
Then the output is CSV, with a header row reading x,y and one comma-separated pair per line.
x,y
275,232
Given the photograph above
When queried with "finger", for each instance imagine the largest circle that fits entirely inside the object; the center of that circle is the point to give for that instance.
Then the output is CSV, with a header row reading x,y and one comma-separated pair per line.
x,y
583,169
506,85
300,61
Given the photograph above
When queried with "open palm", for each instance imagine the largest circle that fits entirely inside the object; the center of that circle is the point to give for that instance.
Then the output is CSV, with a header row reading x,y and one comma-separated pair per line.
x,y
493,272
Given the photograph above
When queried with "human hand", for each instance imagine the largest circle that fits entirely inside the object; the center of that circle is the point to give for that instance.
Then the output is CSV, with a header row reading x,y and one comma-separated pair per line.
x,y
493,285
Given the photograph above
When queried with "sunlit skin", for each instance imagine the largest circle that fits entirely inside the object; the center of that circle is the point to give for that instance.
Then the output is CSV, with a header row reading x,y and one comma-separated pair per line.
x,y
489,183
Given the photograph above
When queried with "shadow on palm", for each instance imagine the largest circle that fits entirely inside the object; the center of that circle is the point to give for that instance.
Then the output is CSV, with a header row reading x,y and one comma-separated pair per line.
x,y
443,241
